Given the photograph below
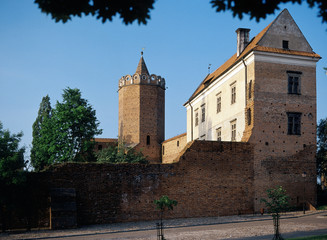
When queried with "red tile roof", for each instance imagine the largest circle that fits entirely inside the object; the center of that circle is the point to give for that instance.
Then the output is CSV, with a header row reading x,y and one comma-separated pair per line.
x,y
252,46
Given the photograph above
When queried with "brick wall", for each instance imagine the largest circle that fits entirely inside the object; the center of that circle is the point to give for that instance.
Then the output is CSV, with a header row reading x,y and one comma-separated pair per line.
x,y
129,113
142,118
280,158
211,179
172,148
287,172
102,143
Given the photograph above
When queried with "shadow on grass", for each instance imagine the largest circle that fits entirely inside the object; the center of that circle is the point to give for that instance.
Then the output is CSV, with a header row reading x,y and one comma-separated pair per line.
x,y
303,235
321,237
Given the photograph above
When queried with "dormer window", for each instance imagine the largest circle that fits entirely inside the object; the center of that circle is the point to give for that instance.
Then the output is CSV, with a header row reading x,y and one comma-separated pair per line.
x,y
285,44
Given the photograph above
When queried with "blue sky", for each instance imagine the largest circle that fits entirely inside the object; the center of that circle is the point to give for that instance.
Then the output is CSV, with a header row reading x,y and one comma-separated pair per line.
x,y
40,57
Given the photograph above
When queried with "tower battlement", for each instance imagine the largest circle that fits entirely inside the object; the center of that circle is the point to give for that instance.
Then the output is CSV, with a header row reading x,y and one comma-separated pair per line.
x,y
142,79
142,111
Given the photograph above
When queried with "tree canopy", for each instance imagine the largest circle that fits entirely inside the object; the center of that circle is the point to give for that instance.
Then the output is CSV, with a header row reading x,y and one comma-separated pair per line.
x,y
12,161
165,203
130,11
75,124
277,201
40,156
64,133
120,154
12,174
259,9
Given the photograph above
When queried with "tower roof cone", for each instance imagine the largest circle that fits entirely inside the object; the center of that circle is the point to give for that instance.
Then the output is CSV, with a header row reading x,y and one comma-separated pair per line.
x,y
141,67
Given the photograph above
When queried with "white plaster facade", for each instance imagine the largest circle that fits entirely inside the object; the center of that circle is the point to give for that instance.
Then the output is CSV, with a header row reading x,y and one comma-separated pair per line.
x,y
229,112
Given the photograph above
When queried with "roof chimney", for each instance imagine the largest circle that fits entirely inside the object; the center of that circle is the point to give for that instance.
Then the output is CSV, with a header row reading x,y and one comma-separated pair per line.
x,y
242,39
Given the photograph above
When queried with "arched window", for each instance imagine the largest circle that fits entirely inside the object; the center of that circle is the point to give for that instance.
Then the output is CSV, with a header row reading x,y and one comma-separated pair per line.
x,y
148,140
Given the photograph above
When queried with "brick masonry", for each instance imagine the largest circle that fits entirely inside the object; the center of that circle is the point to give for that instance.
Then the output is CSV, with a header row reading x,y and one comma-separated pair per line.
x,y
142,118
292,154
172,148
210,179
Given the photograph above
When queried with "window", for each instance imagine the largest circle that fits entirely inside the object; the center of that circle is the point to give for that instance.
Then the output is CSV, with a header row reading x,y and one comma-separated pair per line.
x,y
218,102
233,91
218,131
196,118
163,150
233,130
177,143
285,44
99,147
294,82
203,113
294,123
249,117
148,140
250,90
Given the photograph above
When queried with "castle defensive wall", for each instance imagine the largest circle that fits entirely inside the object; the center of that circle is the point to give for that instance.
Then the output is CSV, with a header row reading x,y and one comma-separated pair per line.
x,y
210,179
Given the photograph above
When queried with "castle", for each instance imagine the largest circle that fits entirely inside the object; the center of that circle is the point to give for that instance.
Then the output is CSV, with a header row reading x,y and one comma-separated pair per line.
x,y
265,94
251,126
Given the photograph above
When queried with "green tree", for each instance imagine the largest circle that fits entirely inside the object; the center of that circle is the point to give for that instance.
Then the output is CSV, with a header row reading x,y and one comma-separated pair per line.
x,y
164,203
74,125
322,150
40,156
130,11
277,202
120,154
12,161
12,172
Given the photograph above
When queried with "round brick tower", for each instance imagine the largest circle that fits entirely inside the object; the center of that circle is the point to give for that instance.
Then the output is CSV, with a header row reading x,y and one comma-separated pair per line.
x,y
142,112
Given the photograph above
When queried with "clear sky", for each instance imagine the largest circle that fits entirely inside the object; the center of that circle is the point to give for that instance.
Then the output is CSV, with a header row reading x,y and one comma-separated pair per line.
x,y
40,57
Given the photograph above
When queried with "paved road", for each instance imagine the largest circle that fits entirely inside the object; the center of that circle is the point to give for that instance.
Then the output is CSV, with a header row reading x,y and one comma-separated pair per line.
x,y
236,227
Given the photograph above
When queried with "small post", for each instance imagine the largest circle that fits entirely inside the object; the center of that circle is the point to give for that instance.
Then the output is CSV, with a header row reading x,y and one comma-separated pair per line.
x,y
277,235
304,174
160,231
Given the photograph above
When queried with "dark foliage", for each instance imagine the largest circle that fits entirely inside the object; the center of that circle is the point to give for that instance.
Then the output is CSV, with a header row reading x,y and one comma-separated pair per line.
x,y
12,174
40,156
322,149
120,154
130,10
65,133
259,9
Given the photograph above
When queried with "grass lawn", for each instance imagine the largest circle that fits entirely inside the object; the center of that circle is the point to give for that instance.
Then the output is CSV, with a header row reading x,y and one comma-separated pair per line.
x,y
321,237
